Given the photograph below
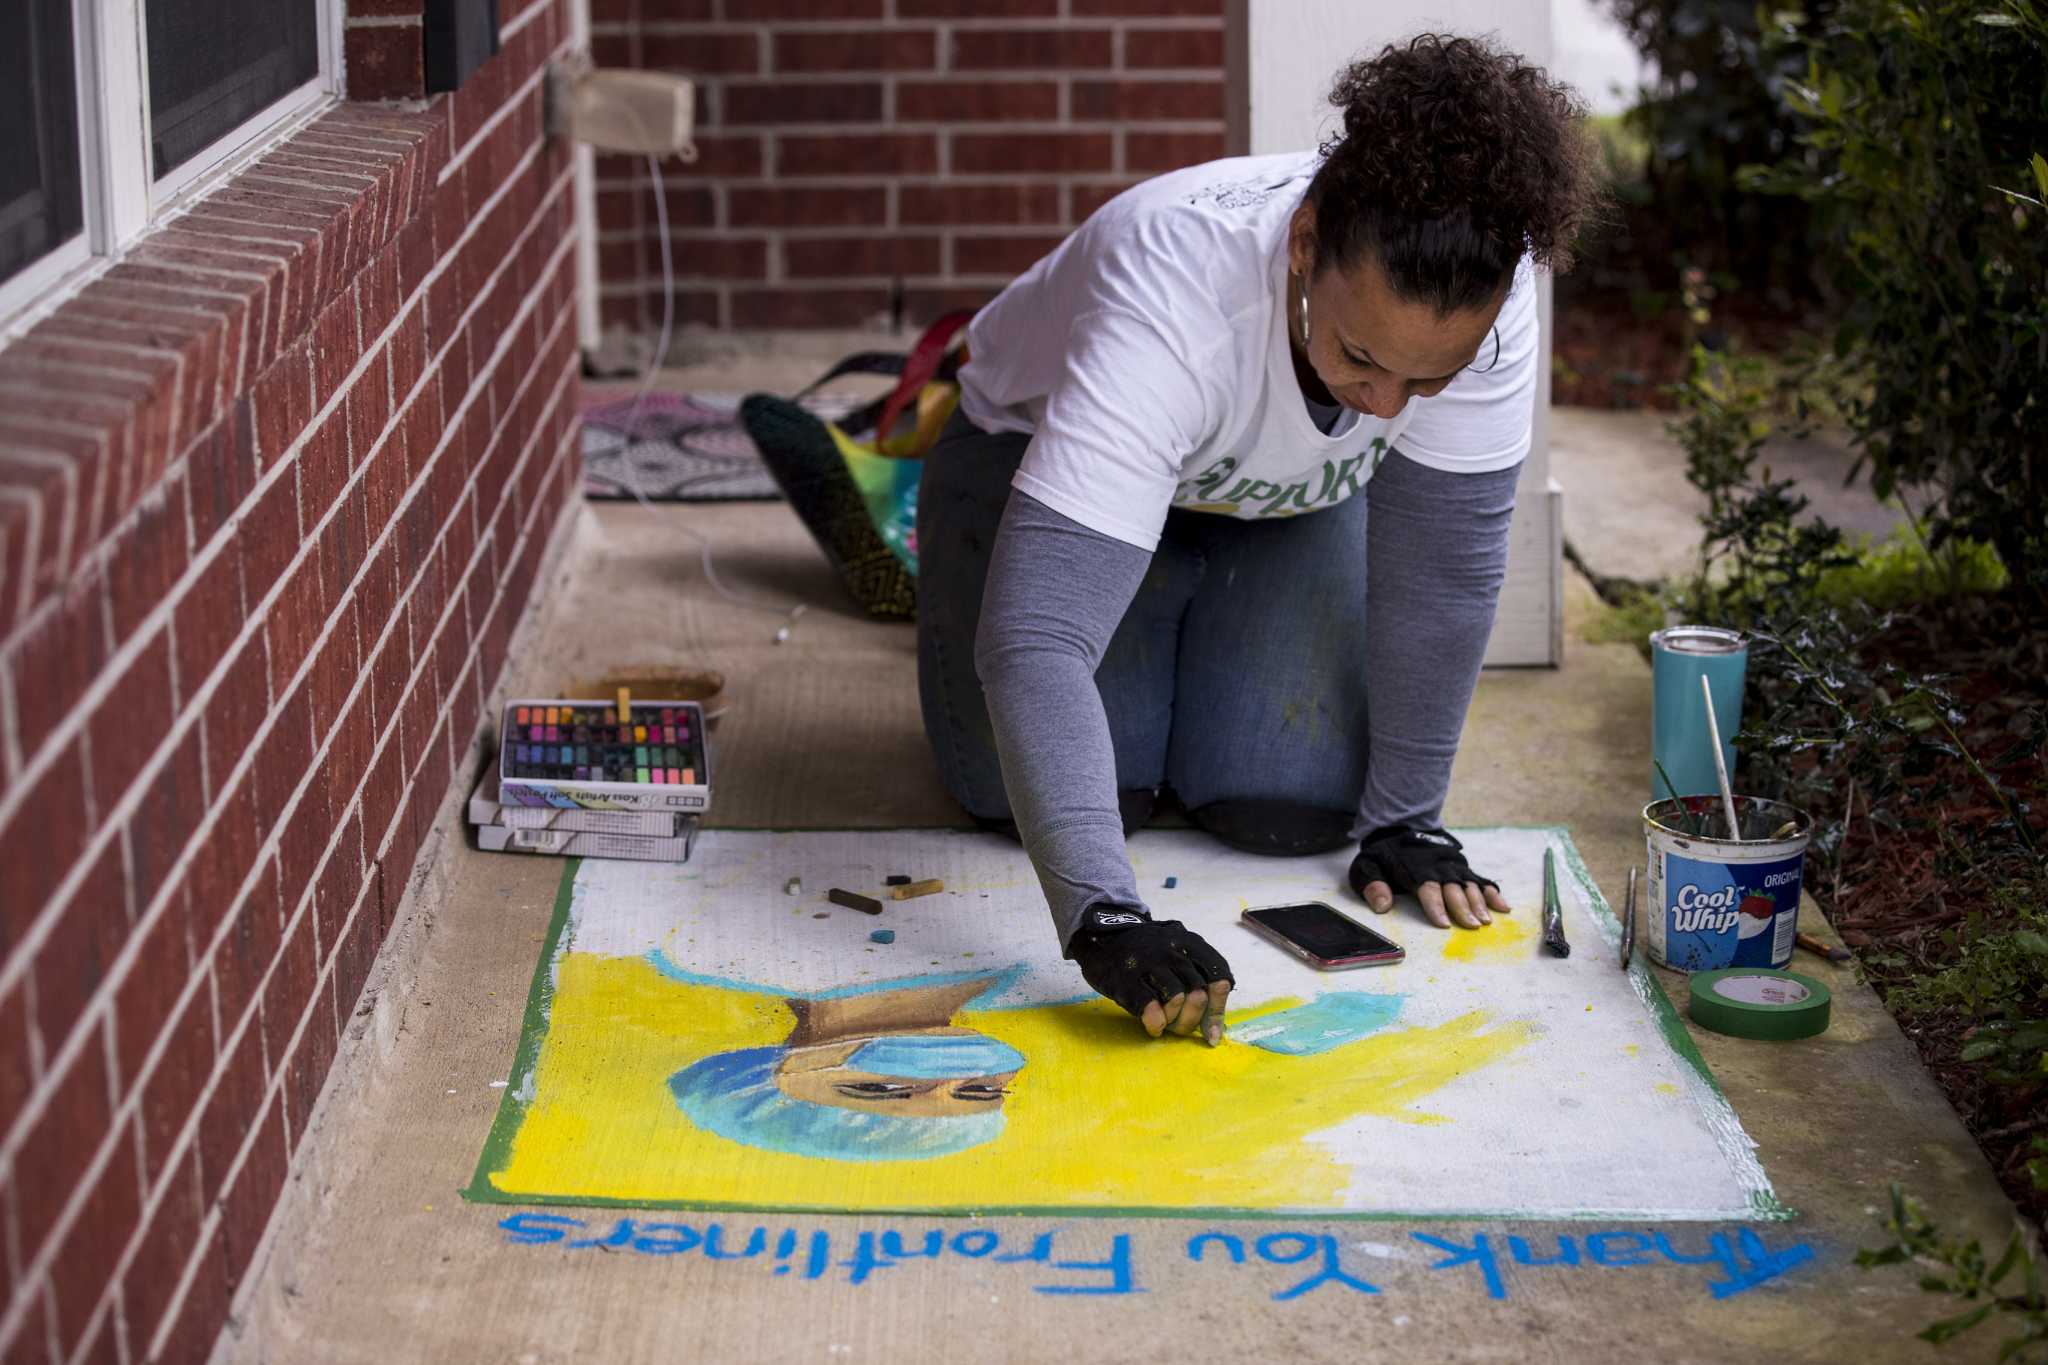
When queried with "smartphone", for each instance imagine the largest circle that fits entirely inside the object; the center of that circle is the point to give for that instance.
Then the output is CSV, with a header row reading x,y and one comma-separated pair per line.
x,y
1320,936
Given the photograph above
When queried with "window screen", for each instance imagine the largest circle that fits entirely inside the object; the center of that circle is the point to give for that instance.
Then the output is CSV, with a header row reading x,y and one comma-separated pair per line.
x,y
40,206
214,63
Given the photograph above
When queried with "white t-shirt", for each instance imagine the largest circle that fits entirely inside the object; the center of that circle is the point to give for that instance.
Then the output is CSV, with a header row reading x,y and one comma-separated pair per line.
x,y
1148,356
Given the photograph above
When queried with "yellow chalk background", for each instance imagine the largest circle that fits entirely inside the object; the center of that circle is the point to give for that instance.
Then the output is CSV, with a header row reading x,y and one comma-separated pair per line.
x,y
1094,1120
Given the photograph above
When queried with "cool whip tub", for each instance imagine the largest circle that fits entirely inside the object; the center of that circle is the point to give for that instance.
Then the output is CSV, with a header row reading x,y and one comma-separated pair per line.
x,y
1717,902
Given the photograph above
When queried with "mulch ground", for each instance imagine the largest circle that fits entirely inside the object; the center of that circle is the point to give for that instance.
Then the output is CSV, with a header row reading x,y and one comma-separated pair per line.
x,y
1899,893
1608,354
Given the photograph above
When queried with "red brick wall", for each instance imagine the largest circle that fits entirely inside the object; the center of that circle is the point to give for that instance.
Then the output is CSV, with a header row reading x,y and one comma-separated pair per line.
x,y
273,493
854,148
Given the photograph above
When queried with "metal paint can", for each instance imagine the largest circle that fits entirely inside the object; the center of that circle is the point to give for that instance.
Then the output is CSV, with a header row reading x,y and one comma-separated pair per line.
x,y
1718,902
1679,657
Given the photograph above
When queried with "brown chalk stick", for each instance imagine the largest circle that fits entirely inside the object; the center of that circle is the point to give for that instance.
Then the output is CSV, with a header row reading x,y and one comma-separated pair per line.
x,y
853,900
924,888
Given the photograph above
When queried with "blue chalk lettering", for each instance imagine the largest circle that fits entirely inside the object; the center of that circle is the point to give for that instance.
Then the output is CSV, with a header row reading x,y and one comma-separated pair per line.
x,y
818,1259
1121,1279
1268,1247
1764,1264
1480,1253
983,1242
532,1229
1567,1253
864,1261
934,1244
1596,1247
785,1246
666,1239
1718,1253
1041,1251
619,1236
714,1244
1332,1268
1234,1246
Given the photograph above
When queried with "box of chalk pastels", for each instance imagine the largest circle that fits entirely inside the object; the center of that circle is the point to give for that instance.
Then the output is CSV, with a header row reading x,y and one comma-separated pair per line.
x,y
587,755
572,844
648,835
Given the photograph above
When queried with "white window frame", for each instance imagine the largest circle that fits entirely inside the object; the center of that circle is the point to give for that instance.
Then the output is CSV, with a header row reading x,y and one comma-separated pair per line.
x,y
123,200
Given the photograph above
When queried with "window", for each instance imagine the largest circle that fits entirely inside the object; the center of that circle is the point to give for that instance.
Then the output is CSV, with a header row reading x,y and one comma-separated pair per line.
x,y
41,205
124,106
213,64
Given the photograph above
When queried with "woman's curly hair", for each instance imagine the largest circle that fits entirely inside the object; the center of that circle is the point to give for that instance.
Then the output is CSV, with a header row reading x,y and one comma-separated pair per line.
x,y
1457,159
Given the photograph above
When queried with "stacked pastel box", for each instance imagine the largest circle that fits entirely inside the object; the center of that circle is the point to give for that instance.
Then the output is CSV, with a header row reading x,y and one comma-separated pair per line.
x,y
572,831
590,779
594,756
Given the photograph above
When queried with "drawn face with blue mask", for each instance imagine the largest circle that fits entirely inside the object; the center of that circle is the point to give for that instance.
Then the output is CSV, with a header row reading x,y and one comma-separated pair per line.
x,y
895,1097
931,1072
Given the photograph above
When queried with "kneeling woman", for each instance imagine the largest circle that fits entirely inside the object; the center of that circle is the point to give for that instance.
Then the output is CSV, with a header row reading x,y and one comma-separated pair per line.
x,y
1225,508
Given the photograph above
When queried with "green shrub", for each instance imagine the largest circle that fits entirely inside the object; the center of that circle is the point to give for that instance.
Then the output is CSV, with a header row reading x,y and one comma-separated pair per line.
x,y
1905,568
2009,1293
1925,124
1999,979
1759,550
1714,104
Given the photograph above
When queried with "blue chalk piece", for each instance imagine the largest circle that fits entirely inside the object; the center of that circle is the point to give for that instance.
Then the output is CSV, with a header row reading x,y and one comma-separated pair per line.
x,y
1326,1022
1172,882
882,936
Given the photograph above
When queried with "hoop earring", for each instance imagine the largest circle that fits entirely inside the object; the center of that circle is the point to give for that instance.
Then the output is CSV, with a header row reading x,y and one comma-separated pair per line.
x,y
1301,308
1496,353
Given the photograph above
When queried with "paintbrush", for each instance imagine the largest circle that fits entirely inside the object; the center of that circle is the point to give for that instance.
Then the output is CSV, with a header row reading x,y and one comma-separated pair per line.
x,y
1628,922
1720,762
1814,945
1553,909
1683,809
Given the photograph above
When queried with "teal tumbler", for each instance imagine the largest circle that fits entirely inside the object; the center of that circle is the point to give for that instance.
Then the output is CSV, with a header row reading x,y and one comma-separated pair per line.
x,y
1679,657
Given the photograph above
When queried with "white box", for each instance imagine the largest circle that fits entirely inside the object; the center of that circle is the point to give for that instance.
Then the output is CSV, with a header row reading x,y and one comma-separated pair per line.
x,y
570,844
485,809
568,793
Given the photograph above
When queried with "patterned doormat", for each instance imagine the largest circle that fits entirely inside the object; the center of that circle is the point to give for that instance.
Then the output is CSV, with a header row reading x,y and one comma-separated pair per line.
x,y
679,447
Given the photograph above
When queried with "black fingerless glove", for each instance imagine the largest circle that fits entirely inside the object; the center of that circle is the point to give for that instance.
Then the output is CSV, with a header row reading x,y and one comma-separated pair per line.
x,y
1406,858
1136,961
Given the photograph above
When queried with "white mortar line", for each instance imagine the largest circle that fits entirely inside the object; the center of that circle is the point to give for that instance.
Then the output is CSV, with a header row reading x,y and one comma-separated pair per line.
x,y
498,116
160,615
209,1223
187,1134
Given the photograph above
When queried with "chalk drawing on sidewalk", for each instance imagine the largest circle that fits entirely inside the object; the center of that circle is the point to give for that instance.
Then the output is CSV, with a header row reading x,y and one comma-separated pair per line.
x,y
695,1042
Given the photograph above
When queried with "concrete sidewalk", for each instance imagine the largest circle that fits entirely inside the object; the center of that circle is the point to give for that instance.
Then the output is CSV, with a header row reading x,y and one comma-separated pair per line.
x,y
373,1257
1629,513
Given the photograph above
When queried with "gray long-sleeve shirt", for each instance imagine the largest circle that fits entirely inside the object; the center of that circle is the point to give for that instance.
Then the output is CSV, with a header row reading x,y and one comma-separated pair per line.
x,y
1436,549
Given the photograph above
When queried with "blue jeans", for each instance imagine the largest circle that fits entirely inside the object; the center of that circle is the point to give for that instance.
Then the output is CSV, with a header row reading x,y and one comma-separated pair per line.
x,y
1236,676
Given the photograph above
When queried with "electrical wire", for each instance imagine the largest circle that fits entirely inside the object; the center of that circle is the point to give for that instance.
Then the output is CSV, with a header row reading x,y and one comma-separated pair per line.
x,y
654,363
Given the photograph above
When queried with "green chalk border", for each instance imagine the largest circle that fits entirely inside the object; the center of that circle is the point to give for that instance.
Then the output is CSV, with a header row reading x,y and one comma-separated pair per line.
x,y
533,1031
1764,1203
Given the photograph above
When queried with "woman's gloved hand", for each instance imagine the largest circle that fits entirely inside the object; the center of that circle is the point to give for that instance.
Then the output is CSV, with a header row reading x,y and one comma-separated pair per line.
x,y
1430,865
1159,970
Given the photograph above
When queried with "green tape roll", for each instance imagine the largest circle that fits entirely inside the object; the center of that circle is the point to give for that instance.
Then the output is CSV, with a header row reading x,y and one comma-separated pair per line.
x,y
1755,1002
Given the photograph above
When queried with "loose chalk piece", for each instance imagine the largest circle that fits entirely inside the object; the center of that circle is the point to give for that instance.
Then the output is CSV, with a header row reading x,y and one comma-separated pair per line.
x,y
1172,882
882,936
896,879
912,890
853,900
